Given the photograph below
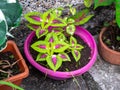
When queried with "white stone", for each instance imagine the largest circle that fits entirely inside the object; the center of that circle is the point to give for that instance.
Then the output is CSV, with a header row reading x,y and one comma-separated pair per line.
x,y
11,1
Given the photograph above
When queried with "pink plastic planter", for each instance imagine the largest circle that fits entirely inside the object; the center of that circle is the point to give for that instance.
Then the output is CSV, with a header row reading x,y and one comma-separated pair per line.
x,y
85,35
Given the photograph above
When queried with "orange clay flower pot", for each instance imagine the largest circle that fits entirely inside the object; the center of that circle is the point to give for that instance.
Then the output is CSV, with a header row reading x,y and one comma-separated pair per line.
x,y
17,79
108,54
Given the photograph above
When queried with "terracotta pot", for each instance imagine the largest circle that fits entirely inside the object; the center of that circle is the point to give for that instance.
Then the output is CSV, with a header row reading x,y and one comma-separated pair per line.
x,y
108,54
59,75
17,79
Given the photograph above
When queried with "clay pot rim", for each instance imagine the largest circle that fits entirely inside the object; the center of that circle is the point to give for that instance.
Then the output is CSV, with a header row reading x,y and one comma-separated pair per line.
x,y
24,72
103,44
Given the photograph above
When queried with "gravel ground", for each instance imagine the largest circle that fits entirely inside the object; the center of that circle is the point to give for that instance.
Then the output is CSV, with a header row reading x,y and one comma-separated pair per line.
x,y
106,75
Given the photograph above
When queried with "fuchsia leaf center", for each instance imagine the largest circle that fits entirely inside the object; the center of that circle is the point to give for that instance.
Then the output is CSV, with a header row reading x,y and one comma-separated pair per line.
x,y
76,52
42,46
58,46
54,59
56,21
37,18
35,26
51,40
43,56
63,56
41,31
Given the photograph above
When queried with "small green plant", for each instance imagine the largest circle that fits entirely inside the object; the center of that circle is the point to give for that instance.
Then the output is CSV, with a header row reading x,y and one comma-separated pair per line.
x,y
10,13
11,85
58,30
98,3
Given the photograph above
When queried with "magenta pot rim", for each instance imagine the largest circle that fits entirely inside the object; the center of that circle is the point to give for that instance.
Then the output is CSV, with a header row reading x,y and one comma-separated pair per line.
x,y
85,35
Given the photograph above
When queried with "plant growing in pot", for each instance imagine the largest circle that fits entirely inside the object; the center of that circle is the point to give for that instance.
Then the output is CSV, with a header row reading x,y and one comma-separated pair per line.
x,y
12,65
53,46
109,38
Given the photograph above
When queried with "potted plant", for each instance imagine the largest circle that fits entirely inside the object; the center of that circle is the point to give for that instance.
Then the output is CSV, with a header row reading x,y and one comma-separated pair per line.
x,y
109,38
10,13
53,44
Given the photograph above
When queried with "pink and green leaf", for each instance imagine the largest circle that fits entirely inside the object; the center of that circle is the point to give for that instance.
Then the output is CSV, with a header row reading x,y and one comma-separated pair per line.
x,y
51,37
84,20
33,26
79,47
60,46
41,57
40,46
70,29
64,57
73,41
76,54
58,22
34,17
54,62
40,32
82,17
61,37
57,30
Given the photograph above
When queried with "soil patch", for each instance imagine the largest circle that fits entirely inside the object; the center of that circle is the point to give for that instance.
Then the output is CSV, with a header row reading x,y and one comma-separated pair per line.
x,y
8,65
111,37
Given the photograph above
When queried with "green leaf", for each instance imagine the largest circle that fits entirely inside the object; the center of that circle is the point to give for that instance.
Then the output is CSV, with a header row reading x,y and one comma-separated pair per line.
x,y
11,85
70,29
41,57
61,37
73,10
88,3
52,65
12,12
64,57
34,18
60,46
3,31
84,20
70,20
76,54
57,12
102,3
118,38
3,44
40,46
118,12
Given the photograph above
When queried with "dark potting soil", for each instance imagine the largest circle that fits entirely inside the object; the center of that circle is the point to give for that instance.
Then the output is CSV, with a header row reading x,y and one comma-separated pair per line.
x,y
69,66
12,70
110,37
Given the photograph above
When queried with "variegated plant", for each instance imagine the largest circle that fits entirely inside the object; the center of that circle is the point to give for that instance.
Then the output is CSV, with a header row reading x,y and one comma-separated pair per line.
x,y
53,25
10,13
